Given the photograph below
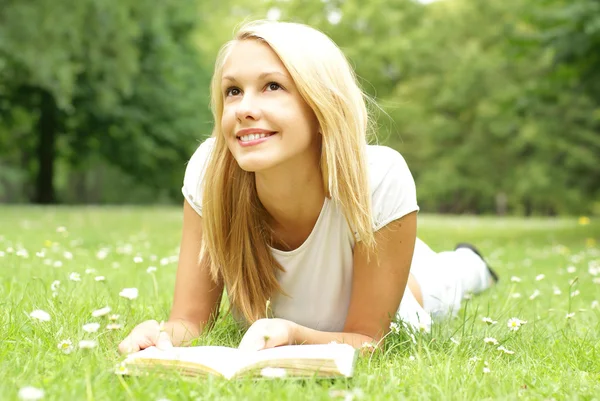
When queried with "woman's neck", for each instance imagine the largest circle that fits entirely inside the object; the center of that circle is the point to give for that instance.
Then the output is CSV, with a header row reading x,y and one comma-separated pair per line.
x,y
293,200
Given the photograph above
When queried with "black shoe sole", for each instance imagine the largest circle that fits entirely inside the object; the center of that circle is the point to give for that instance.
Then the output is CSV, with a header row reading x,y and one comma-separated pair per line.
x,y
472,247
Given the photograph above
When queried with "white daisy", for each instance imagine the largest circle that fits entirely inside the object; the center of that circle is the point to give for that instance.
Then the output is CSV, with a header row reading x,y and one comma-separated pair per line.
x,y
490,340
515,279
571,269
515,323
68,255
455,341
57,264
31,393
570,315
114,326
75,276
129,293
540,277
534,295
99,278
101,312
114,317
40,315
394,327
506,351
61,229
121,369
66,346
151,269
489,321
91,327
88,344
138,259
556,291
55,284
102,254
90,271
594,304
486,370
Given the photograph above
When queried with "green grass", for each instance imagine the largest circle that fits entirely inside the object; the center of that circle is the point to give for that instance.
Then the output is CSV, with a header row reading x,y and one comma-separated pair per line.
x,y
555,357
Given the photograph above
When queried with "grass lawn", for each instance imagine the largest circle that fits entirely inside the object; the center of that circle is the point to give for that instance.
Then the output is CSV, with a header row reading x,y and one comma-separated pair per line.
x,y
555,264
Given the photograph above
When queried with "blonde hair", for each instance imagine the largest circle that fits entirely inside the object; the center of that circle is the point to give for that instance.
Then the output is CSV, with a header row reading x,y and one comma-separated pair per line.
x,y
236,236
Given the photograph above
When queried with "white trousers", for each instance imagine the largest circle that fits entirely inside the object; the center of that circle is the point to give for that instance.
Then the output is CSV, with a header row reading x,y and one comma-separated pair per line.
x,y
445,278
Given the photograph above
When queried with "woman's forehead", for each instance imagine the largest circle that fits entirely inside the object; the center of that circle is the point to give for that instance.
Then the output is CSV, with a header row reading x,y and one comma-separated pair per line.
x,y
252,57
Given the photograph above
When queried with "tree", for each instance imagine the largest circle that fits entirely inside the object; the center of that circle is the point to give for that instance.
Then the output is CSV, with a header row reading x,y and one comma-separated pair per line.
x,y
115,77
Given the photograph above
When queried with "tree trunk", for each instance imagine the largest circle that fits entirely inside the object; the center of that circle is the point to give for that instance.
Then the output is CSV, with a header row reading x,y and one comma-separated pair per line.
x,y
47,127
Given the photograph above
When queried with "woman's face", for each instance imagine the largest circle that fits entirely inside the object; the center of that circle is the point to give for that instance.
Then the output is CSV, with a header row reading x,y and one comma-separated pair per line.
x,y
265,121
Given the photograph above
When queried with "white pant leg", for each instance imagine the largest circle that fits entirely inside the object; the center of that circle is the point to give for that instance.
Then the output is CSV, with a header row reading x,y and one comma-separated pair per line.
x,y
446,277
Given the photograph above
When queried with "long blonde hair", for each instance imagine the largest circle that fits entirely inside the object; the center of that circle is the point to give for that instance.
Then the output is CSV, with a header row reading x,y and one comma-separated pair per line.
x,y
236,236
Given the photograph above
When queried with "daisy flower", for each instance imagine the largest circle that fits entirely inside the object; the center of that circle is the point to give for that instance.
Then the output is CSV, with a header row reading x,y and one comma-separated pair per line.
x,y
570,315
31,393
515,279
506,351
514,323
129,293
489,321
151,269
66,346
534,295
91,327
40,315
455,341
394,327
101,312
121,369
114,326
540,277
75,276
100,278
114,317
54,286
490,340
138,259
88,344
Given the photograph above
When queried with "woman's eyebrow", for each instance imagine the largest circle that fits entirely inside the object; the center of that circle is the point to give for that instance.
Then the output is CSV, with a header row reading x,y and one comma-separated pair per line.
x,y
261,76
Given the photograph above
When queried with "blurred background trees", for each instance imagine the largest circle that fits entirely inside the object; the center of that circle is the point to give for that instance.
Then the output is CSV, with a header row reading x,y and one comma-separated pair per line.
x,y
495,104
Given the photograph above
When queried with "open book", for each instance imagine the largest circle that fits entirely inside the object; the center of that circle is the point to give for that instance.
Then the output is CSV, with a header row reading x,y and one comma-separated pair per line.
x,y
321,360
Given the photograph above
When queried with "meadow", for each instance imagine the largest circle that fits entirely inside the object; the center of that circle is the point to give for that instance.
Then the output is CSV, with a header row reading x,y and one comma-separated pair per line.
x,y
75,280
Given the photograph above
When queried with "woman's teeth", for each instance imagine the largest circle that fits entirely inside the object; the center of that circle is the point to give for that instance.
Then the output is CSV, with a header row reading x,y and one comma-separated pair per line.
x,y
252,137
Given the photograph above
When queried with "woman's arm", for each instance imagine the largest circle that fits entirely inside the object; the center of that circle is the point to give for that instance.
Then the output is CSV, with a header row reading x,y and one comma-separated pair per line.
x,y
378,285
197,297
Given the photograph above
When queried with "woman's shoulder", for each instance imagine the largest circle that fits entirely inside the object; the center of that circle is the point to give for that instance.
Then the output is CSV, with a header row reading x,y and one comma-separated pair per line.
x,y
194,174
385,162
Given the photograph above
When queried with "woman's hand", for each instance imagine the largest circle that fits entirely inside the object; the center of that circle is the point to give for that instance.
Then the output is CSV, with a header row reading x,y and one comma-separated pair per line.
x,y
268,333
145,335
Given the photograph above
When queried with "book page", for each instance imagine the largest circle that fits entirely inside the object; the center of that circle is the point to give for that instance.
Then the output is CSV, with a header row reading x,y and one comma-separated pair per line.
x,y
330,359
224,360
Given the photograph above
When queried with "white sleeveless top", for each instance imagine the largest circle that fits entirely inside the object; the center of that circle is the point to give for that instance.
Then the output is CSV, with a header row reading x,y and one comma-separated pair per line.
x,y
318,274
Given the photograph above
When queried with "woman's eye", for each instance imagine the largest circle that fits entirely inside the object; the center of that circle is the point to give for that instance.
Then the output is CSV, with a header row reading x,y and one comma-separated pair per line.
x,y
273,86
232,91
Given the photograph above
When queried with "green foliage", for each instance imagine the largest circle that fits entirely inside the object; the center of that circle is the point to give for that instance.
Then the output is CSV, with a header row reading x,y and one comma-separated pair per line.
x,y
494,104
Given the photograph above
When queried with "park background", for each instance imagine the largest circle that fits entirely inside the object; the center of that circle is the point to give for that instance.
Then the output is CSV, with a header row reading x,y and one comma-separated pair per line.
x,y
494,104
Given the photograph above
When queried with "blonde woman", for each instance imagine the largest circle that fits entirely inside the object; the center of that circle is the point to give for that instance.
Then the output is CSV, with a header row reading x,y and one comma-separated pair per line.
x,y
309,230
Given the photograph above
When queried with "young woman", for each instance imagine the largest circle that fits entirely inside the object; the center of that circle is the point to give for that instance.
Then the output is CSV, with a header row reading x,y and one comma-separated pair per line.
x,y
310,230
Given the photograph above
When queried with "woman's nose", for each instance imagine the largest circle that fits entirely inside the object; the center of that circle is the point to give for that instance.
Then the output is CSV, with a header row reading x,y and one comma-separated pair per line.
x,y
248,108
